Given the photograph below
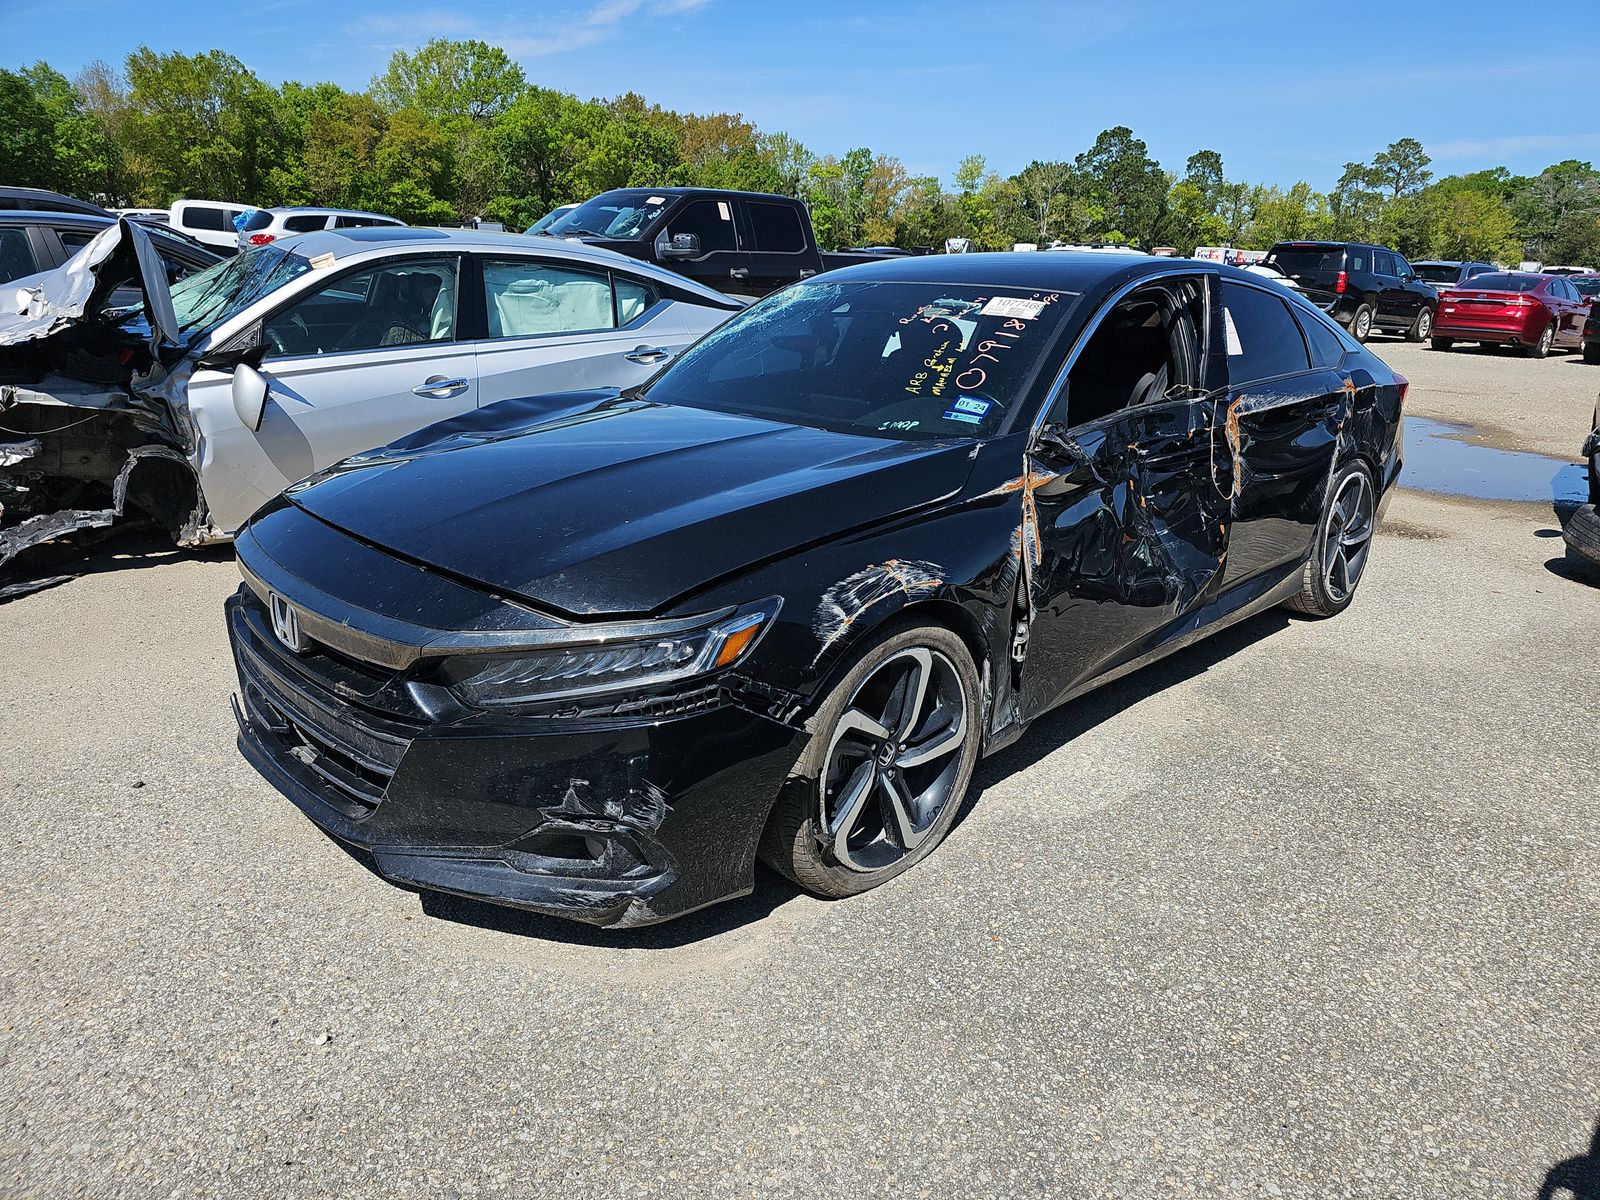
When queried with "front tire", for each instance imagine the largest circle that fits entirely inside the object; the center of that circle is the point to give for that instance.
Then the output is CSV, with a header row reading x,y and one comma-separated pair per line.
x,y
1541,348
891,755
1343,541
1422,327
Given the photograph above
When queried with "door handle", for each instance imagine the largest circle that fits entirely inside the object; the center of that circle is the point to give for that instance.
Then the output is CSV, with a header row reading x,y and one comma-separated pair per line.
x,y
647,355
440,387
739,272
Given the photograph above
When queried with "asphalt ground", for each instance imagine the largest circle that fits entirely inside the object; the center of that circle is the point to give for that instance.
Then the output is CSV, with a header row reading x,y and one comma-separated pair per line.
x,y
1307,910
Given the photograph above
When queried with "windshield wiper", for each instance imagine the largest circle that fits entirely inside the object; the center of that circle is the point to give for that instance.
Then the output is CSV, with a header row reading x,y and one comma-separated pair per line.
x,y
578,229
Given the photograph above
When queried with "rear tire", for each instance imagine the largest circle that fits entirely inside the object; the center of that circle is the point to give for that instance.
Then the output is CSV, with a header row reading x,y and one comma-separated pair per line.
x,y
811,835
1439,343
1361,323
1422,327
1342,544
1541,348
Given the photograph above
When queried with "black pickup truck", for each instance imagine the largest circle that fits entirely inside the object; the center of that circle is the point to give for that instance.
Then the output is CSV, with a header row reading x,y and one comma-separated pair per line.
x,y
742,243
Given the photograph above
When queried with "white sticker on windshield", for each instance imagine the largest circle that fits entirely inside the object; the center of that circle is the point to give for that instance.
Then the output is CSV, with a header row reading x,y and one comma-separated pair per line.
x,y
1010,306
321,261
1235,347
656,200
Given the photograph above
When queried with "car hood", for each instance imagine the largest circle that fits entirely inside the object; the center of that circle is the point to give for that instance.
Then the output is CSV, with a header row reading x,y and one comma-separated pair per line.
x,y
83,288
621,506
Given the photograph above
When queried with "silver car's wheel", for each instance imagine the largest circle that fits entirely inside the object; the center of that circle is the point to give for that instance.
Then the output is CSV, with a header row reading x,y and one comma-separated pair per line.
x,y
891,754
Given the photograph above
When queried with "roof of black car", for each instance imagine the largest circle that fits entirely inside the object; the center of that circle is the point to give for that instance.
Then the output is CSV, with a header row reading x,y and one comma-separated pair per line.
x,y
1059,270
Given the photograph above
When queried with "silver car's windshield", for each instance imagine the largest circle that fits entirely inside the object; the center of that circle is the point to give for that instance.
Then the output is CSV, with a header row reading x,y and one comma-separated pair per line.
x,y
208,298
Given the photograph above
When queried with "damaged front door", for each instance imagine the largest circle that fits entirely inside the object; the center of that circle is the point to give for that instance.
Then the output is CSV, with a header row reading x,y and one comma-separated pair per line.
x,y
357,363
1129,521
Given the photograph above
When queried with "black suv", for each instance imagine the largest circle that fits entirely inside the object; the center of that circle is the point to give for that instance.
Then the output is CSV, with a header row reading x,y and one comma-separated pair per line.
x,y
1362,287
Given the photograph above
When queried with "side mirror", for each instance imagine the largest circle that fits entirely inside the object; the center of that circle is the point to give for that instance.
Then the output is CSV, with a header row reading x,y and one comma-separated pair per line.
x,y
682,245
249,395
1053,444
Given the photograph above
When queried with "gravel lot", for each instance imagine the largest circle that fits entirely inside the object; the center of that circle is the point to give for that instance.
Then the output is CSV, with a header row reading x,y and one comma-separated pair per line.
x,y
1309,910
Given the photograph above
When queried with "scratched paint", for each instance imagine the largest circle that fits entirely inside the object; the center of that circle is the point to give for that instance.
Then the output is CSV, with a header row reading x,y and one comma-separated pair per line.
x,y
847,601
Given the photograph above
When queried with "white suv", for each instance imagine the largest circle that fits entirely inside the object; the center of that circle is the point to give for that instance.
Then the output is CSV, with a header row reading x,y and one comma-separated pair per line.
x,y
208,221
269,224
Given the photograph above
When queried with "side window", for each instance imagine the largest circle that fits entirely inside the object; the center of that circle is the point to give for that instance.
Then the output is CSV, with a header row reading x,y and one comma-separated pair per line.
x,y
354,223
1355,259
396,304
709,220
1145,349
16,255
524,297
1262,337
1326,348
305,222
776,228
73,240
633,298
203,216
1401,266
1383,263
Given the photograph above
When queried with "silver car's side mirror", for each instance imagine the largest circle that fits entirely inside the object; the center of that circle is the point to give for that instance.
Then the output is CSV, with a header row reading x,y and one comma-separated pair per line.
x,y
249,395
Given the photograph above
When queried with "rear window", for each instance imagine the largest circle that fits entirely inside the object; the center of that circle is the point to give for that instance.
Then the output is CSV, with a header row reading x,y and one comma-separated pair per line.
x,y
1588,286
201,216
1436,272
1502,282
776,228
1305,260
259,219
16,255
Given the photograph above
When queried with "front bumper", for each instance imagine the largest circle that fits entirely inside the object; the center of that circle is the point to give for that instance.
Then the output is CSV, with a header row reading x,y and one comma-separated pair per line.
x,y
614,818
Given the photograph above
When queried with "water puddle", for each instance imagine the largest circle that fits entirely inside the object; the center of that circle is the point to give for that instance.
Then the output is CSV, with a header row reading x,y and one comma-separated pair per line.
x,y
1439,460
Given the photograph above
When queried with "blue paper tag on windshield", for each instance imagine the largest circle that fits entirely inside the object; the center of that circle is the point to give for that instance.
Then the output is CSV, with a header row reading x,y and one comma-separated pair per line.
x,y
969,418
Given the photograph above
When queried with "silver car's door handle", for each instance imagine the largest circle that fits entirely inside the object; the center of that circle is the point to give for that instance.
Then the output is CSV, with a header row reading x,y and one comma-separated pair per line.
x,y
647,355
440,387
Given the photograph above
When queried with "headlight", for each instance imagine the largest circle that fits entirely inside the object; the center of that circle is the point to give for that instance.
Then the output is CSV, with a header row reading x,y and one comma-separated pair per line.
x,y
583,668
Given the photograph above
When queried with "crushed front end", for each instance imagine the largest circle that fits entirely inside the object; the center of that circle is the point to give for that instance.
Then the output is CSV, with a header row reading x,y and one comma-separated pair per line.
x,y
622,809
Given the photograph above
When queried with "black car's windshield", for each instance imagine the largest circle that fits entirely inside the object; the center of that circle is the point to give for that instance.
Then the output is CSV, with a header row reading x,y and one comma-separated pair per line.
x,y
208,298
1436,272
614,215
1304,260
893,360
1504,283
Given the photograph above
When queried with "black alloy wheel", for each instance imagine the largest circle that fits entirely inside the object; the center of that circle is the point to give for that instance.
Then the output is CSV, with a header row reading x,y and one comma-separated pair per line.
x,y
883,778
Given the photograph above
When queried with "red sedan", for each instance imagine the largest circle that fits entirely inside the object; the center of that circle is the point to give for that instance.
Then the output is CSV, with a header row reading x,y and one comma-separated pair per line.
x,y
1512,308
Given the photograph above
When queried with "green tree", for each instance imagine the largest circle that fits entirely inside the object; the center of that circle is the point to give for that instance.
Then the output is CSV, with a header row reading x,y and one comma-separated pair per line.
x,y
449,81
27,135
1402,168
1125,184
203,125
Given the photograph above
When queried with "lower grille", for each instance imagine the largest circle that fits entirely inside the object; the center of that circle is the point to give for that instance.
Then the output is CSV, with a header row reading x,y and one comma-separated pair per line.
x,y
352,751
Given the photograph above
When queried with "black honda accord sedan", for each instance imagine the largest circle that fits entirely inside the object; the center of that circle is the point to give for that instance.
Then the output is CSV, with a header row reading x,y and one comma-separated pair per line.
x,y
592,654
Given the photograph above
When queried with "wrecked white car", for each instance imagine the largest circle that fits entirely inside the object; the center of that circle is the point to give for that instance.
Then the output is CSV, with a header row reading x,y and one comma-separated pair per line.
x,y
202,403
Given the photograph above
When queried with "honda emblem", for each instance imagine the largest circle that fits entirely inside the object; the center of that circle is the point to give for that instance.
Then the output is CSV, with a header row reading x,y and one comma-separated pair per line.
x,y
286,623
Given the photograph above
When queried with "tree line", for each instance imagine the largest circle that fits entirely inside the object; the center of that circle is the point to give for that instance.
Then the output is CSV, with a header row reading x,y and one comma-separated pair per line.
x,y
454,131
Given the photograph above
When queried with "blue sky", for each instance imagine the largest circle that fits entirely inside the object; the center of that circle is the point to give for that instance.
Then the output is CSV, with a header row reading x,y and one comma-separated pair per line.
x,y
1285,89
